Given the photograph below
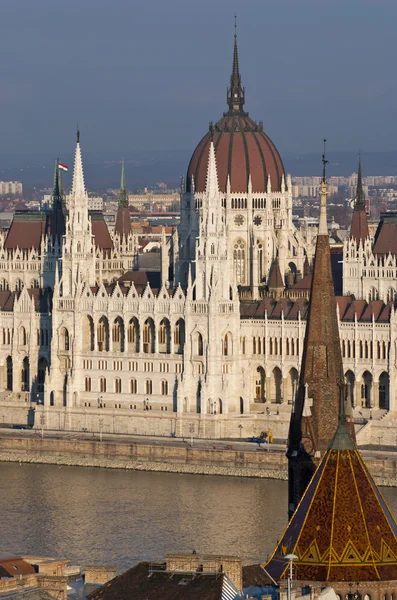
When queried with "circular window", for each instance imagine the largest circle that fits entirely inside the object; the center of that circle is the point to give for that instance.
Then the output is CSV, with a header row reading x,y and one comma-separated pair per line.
x,y
239,220
258,220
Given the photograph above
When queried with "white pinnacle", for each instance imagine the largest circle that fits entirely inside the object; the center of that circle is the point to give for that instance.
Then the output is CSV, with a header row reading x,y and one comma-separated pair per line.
x,y
322,226
78,187
212,188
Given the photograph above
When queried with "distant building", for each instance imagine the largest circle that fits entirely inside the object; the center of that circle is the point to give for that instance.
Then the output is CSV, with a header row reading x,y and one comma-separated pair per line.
x,y
10,187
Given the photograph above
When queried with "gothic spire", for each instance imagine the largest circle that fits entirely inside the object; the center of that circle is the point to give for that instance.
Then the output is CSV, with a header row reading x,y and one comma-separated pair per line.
x,y
317,405
235,93
123,196
78,186
57,189
360,201
212,187
322,225
359,228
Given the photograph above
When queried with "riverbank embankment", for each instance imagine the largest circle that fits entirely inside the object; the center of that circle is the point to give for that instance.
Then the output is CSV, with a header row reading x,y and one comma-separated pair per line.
x,y
258,463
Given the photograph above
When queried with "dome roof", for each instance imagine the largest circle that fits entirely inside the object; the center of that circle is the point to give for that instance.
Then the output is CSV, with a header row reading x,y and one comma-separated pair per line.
x,y
242,147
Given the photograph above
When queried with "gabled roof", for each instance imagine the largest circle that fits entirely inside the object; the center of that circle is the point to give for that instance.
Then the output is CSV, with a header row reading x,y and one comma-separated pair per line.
x,y
385,240
342,529
26,231
359,228
100,231
123,221
275,279
152,582
11,566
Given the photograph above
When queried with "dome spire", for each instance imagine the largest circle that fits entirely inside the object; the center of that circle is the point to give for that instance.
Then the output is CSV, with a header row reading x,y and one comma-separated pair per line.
x,y
235,93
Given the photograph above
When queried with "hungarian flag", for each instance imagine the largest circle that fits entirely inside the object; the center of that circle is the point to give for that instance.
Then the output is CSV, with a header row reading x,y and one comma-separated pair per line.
x,y
62,167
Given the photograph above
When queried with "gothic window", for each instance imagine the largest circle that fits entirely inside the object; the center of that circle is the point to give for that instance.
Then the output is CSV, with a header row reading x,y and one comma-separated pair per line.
x,y
148,386
102,384
22,336
239,261
212,248
239,220
164,388
64,339
88,384
198,346
179,336
133,386
258,220
117,385
148,336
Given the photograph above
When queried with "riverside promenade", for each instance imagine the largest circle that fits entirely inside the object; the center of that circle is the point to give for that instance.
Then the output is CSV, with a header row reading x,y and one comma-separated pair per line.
x,y
235,458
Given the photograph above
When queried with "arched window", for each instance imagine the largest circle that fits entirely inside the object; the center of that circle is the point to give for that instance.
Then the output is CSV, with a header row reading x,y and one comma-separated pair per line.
x,y
164,388
148,386
118,335
103,334
133,386
41,373
133,335
239,261
148,336
179,336
164,336
25,375
22,336
198,347
88,384
373,294
260,385
64,339
227,345
102,384
391,294
88,333
117,385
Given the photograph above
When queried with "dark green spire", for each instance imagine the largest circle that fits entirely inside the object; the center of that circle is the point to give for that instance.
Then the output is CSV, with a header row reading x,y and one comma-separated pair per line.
x,y
57,192
360,199
123,196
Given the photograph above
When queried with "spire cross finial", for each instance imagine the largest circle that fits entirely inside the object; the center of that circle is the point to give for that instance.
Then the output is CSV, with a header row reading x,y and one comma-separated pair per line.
x,y
78,134
235,26
325,162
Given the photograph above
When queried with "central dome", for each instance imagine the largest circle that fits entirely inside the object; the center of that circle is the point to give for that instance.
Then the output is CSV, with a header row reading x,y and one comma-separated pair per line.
x,y
242,148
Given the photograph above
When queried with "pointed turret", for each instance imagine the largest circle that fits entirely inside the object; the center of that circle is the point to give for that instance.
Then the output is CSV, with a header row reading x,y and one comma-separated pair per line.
x,y
276,284
235,93
78,186
123,196
212,187
55,225
123,221
57,191
359,228
315,416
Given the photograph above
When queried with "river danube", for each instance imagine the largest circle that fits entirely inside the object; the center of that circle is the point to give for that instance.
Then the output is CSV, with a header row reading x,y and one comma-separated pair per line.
x,y
115,517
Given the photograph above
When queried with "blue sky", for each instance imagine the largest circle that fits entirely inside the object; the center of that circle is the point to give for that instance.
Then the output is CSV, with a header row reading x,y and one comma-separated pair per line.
x,y
149,75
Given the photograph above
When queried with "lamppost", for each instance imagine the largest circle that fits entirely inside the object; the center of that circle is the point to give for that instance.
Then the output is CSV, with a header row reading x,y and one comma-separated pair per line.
x,y
191,431
42,421
290,558
241,429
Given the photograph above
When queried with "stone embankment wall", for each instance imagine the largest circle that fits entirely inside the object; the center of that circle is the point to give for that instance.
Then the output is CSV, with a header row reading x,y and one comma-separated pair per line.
x,y
155,457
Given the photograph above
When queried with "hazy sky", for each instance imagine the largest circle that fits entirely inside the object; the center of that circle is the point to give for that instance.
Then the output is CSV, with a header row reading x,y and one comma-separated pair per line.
x,y
151,74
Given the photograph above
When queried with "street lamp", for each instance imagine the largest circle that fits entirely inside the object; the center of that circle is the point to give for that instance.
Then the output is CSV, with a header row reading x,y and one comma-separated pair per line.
x,y
191,431
241,429
290,558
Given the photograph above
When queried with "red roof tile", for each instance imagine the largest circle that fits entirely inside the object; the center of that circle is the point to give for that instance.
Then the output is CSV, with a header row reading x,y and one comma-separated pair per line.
x,y
242,149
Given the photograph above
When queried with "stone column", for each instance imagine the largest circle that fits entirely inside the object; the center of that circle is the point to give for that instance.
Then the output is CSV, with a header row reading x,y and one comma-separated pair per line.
x,y
375,394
